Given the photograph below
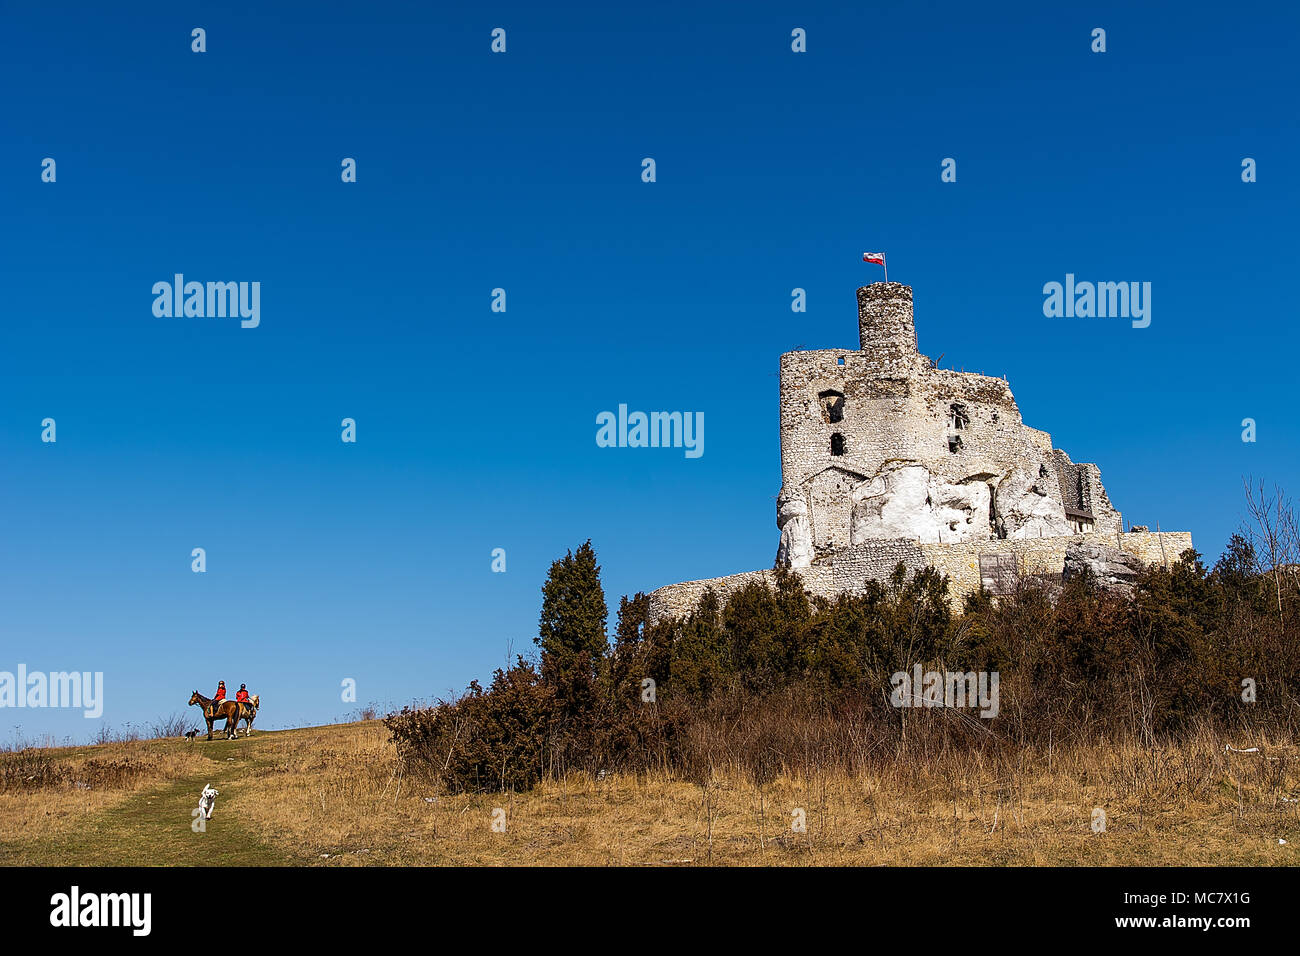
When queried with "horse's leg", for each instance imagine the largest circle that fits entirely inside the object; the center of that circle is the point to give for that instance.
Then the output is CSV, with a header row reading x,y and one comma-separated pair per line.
x,y
209,720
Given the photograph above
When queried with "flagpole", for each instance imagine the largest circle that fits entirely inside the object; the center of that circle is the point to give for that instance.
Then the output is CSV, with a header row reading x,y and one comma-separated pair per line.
x,y
885,262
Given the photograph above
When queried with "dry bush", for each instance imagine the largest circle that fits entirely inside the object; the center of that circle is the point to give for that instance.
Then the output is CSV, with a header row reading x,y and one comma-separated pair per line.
x,y
31,769
173,725
34,769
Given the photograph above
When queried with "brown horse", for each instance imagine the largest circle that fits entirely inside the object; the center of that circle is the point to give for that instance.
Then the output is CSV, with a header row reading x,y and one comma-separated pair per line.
x,y
217,709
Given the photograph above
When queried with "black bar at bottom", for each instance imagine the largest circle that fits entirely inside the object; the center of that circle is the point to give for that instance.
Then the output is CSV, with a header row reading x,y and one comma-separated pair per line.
x,y
943,906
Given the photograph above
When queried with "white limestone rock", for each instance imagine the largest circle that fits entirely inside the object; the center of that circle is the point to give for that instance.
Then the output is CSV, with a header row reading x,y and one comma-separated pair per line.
x,y
960,509
908,501
1111,568
1028,504
796,547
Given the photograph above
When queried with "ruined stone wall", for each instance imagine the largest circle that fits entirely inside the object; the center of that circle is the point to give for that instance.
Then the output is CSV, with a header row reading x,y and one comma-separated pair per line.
x,y
895,405
879,444
887,459
878,415
1081,489
898,418
1047,555
1071,481
679,600
885,422
876,560
848,569
1098,502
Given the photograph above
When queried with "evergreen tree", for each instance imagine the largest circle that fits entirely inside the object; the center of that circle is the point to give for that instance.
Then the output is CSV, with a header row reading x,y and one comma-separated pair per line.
x,y
628,653
571,632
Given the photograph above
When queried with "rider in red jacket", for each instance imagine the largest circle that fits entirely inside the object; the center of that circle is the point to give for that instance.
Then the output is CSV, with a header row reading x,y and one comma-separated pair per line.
x,y
221,692
242,694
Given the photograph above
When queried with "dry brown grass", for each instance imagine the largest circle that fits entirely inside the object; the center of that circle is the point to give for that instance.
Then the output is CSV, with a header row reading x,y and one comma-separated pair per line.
x,y
340,792
295,796
92,780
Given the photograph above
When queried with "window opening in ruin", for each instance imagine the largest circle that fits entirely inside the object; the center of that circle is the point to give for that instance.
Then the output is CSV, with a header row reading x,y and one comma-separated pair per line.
x,y
832,404
1042,471
954,444
837,444
957,417
840,360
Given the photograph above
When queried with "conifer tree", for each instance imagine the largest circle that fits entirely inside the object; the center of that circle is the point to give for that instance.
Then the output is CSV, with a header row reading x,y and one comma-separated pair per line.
x,y
571,632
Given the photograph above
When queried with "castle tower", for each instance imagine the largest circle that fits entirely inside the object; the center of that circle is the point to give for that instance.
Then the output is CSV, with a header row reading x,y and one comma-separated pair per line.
x,y
886,329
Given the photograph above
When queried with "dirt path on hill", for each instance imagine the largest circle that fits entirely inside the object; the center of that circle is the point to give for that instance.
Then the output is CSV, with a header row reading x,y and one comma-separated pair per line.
x,y
153,827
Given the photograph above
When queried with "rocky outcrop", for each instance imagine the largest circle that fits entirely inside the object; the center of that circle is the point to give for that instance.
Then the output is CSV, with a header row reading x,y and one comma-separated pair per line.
x,y
1111,568
909,501
796,547
1028,505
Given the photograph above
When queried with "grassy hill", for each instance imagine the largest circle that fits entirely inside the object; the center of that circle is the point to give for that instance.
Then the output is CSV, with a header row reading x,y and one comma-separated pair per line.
x,y
336,796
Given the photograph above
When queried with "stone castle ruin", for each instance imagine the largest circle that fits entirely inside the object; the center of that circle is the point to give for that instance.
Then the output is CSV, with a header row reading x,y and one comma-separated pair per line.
x,y
886,458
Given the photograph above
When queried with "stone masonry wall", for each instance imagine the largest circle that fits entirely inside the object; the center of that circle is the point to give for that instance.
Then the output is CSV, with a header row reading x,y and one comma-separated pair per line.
x,y
886,329
1047,555
849,569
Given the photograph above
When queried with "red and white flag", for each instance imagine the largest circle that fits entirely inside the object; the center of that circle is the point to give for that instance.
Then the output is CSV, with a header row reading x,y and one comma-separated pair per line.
x,y
877,257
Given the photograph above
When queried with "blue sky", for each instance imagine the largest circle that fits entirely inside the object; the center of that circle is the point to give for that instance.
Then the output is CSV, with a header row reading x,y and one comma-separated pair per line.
x,y
522,171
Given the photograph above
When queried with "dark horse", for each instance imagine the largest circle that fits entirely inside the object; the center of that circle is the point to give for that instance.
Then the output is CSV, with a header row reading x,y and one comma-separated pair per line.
x,y
217,709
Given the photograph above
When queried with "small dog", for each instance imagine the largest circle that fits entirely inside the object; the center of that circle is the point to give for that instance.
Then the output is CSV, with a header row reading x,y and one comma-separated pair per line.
x,y
208,800
190,735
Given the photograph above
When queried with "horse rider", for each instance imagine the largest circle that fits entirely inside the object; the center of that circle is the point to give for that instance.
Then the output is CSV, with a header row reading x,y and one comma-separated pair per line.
x,y
241,695
220,695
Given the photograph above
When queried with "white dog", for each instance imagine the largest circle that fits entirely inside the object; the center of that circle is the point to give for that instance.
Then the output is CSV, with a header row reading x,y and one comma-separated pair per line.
x,y
207,800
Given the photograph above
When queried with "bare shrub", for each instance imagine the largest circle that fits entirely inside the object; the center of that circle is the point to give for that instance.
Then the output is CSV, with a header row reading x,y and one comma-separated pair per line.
x,y
173,725
30,769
